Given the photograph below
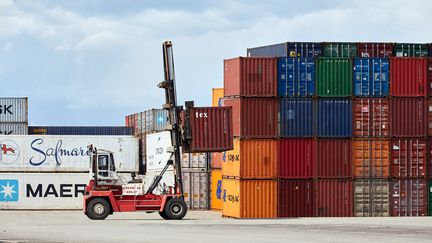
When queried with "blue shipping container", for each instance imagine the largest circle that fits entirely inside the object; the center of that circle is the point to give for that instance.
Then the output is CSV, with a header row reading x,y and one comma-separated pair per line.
x,y
277,50
371,77
296,77
334,118
304,49
296,117
82,130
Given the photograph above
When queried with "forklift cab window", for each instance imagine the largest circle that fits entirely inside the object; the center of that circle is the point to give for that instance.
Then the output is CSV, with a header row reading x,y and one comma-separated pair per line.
x,y
105,164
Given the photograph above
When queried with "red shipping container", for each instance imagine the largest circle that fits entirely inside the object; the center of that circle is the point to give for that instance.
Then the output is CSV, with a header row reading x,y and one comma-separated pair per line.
x,y
250,76
429,157
333,198
216,160
254,117
295,198
333,158
371,117
408,197
409,76
296,158
408,158
429,117
408,117
375,49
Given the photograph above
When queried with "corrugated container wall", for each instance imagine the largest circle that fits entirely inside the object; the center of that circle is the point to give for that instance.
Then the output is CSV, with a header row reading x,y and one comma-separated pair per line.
x,y
249,198
371,117
410,76
250,77
429,198
333,158
276,50
13,109
217,95
371,158
411,50
196,189
408,158
296,77
295,198
156,120
296,158
371,77
375,49
71,130
334,77
334,118
13,128
408,197
408,116
333,198
216,189
216,160
429,157
337,49
429,117
296,117
304,49
195,161
371,198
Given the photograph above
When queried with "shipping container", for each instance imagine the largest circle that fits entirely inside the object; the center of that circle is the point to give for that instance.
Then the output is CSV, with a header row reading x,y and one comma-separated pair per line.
x,y
132,121
216,160
196,161
216,189
333,198
304,49
371,77
252,159
13,109
296,158
142,154
408,197
408,117
276,50
79,130
333,159
157,151
429,198
408,158
13,128
49,153
371,198
371,158
296,77
166,183
296,117
371,117
217,95
254,117
156,120
334,118
250,77
410,77
196,189
334,77
375,49
339,49
249,198
295,198
429,118
429,158
411,50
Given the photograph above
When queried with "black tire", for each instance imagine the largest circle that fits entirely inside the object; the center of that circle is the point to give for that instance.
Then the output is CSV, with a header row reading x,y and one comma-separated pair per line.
x,y
175,209
98,209
163,215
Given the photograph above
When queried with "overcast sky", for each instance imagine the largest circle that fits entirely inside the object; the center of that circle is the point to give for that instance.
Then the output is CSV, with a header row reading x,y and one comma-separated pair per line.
x,y
91,62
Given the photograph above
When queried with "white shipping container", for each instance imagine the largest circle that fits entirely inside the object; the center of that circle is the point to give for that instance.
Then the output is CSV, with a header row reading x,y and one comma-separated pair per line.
x,y
194,161
156,151
196,189
13,109
20,128
48,153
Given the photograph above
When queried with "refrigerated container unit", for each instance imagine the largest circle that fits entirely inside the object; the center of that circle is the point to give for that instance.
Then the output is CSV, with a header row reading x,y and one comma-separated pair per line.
x,y
334,77
374,49
334,119
408,158
371,198
339,49
295,199
296,77
296,158
371,77
371,117
410,77
408,197
296,117
80,130
333,159
333,198
371,158
411,50
408,117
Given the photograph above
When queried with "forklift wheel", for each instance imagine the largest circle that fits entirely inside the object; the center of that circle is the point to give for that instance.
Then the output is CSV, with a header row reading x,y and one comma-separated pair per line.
x,y
163,215
175,208
98,209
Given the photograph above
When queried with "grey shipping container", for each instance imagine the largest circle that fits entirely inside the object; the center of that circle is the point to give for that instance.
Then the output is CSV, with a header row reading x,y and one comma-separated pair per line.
x,y
196,189
80,130
195,161
276,50
371,198
13,109
13,128
156,120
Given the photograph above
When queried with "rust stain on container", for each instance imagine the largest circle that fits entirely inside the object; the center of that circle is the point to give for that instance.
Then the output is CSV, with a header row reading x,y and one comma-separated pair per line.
x,y
410,76
333,198
371,158
296,158
408,117
408,197
295,198
333,158
371,117
408,158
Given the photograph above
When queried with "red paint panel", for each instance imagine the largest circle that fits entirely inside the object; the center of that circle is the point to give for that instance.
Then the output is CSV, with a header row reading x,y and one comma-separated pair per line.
x,y
409,76
295,198
333,158
371,117
375,49
333,198
296,158
408,116
408,158
254,117
408,197
250,77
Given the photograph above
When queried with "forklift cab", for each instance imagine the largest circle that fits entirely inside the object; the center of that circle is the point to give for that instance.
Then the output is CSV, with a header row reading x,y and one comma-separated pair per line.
x,y
102,166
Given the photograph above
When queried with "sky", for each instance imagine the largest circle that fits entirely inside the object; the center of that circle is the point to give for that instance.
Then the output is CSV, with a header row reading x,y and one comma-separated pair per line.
x,y
91,62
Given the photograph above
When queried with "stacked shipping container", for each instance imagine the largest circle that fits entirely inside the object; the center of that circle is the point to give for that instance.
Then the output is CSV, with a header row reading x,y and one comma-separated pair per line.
x,y
13,116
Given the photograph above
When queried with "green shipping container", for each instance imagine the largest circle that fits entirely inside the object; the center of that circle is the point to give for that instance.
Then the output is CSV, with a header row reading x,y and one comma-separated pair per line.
x,y
430,198
339,50
334,77
411,50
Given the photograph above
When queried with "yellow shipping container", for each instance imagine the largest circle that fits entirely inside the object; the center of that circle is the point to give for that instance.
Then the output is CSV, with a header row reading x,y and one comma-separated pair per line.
x,y
249,198
216,189
217,94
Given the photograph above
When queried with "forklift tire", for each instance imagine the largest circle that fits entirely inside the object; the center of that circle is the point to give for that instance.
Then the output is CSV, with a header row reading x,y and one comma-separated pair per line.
x,y
163,215
175,209
98,209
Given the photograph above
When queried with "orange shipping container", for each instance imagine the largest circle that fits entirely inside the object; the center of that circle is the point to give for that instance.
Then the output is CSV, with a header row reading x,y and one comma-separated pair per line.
x,y
216,190
217,95
249,198
251,159
371,158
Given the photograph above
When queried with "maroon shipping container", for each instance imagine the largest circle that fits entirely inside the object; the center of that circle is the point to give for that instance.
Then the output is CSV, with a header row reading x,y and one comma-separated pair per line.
x,y
333,198
408,158
250,76
254,117
410,76
296,158
371,117
333,158
295,198
429,117
375,49
408,197
408,117
429,157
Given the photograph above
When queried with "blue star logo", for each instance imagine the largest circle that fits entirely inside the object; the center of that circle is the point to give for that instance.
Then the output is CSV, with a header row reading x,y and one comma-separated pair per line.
x,y
8,190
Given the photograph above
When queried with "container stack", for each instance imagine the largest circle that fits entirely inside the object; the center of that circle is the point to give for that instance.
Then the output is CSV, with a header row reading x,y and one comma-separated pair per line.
x,y
13,116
